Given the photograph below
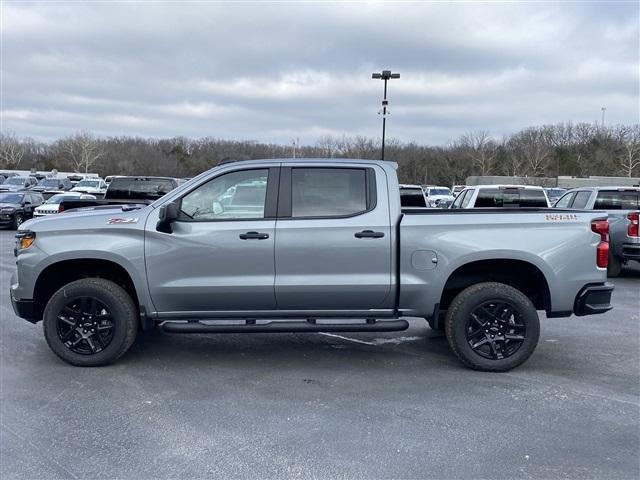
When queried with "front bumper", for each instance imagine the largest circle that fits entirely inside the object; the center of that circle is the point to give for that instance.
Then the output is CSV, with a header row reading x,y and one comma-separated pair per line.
x,y
593,299
24,309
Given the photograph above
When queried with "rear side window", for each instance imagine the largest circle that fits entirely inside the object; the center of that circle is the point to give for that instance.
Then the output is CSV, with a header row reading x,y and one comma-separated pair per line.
x,y
616,200
412,197
328,192
467,199
458,201
581,200
511,198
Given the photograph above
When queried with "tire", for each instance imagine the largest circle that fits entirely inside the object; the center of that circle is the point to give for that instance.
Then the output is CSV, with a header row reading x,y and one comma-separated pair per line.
x,y
17,220
479,317
614,267
108,312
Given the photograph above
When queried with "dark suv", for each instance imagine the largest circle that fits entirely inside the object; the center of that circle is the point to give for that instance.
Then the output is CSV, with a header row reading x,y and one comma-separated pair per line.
x,y
16,207
16,184
53,184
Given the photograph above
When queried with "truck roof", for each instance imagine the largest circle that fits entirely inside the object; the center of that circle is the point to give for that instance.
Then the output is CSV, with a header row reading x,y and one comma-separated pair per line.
x,y
311,160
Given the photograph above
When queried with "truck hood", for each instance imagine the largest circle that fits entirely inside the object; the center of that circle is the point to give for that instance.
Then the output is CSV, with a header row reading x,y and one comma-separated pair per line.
x,y
90,218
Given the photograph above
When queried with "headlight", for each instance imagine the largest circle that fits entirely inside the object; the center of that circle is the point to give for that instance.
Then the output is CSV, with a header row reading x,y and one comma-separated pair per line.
x,y
24,240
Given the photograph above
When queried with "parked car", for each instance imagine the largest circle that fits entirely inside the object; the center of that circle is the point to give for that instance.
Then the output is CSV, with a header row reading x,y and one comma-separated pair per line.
x,y
93,186
17,184
553,194
53,184
16,207
501,196
438,197
55,205
316,241
622,205
412,196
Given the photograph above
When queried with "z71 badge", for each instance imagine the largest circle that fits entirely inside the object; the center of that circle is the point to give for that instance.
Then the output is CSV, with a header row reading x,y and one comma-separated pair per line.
x,y
114,221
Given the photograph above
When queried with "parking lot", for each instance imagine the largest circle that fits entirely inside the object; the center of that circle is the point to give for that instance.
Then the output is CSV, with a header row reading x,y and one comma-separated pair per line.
x,y
323,405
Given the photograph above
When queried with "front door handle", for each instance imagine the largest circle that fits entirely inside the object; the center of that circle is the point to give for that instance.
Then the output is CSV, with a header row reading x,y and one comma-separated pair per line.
x,y
369,234
254,236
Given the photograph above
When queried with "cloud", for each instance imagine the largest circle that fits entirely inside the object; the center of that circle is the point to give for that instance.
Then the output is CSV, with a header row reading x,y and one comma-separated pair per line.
x,y
273,71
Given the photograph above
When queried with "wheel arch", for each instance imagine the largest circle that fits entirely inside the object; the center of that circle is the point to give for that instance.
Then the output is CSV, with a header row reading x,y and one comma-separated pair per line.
x,y
61,272
520,274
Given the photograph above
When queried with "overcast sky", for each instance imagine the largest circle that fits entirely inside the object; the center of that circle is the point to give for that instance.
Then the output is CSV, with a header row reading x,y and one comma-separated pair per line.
x,y
275,71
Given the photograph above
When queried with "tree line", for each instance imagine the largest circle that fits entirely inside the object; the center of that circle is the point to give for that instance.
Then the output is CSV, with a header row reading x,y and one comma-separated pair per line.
x,y
581,150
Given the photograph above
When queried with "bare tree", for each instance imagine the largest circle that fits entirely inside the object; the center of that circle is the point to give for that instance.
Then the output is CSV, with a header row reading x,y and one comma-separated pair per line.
x,y
11,150
629,156
533,149
481,148
82,149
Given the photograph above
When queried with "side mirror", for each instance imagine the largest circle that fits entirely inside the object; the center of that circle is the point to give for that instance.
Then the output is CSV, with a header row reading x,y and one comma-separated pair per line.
x,y
168,215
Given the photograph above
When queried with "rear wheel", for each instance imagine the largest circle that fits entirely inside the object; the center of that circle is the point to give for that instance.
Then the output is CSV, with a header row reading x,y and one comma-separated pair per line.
x,y
90,322
614,267
492,327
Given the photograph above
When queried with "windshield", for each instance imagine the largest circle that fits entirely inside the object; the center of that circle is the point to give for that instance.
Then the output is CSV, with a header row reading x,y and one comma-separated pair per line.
x,y
88,183
11,198
60,197
49,182
439,191
14,181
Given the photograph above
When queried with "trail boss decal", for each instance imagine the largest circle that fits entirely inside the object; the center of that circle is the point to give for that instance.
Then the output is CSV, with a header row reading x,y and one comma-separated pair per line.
x,y
114,221
560,217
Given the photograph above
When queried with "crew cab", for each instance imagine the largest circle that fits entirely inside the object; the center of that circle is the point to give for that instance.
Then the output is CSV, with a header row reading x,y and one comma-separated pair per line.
x,y
311,245
622,205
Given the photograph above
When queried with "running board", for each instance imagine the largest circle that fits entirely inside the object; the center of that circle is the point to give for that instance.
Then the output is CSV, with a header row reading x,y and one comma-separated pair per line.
x,y
285,327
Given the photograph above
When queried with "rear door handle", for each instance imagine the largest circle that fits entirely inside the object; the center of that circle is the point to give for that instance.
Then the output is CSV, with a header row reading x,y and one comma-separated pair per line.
x,y
369,234
254,236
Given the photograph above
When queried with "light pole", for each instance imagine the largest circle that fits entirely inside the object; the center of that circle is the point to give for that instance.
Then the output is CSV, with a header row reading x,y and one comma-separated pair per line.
x,y
385,75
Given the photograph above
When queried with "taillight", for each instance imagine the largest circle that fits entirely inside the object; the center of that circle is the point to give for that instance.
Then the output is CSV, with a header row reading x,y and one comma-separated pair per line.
x,y
601,227
632,229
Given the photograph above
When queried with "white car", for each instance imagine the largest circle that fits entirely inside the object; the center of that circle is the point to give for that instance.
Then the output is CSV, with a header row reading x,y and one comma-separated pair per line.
x,y
52,205
438,197
502,196
92,186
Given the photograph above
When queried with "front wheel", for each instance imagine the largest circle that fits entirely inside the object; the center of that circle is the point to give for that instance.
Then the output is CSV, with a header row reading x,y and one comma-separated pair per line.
x,y
492,327
17,221
90,322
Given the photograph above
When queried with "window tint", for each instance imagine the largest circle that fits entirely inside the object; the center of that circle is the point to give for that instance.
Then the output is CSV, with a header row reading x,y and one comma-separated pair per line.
x,y
581,200
511,198
230,196
565,201
616,200
139,188
412,197
323,192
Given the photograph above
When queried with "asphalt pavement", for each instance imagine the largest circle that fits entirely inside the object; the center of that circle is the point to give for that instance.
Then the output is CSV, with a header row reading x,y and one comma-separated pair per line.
x,y
392,405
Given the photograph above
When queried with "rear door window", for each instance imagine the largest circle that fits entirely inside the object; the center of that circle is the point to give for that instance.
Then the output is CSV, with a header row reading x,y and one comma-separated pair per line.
x,y
328,192
617,200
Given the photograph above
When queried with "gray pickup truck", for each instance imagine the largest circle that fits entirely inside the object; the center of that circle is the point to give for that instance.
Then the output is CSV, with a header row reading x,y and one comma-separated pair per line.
x,y
310,245
622,205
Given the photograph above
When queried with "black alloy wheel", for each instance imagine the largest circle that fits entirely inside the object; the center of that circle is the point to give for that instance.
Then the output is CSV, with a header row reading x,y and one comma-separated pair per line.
x,y
495,329
85,326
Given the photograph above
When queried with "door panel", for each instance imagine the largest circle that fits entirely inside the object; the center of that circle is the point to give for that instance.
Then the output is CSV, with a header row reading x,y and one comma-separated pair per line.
x,y
321,263
205,266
